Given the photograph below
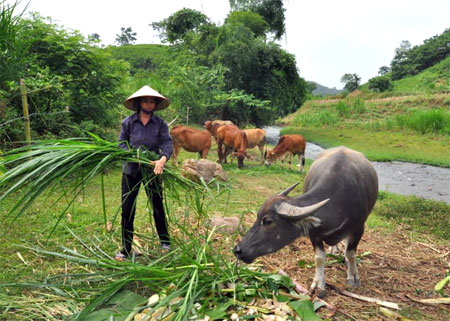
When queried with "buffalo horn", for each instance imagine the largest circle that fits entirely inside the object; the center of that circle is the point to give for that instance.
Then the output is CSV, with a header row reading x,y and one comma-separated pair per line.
x,y
288,190
297,212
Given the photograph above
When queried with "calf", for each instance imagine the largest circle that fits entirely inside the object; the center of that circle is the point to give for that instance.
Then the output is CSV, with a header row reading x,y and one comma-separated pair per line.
x,y
288,144
340,190
191,139
256,137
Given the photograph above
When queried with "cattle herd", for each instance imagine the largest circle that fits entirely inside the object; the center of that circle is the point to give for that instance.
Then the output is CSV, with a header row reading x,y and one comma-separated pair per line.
x,y
339,192
234,142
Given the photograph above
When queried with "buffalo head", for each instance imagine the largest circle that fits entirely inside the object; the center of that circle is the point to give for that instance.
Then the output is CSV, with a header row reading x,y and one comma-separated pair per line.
x,y
278,224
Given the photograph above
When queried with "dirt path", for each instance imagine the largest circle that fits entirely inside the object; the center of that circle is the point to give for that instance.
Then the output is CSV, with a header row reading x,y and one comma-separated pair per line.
x,y
426,181
400,270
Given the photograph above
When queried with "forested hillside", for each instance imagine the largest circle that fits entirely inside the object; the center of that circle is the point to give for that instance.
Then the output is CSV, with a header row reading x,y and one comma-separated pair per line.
x,y
422,68
232,71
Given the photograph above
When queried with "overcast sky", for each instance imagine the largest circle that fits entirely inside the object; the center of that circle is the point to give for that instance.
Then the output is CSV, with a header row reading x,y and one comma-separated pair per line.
x,y
328,38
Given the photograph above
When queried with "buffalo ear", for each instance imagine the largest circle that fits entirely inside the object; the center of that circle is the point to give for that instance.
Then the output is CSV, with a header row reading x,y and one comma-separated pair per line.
x,y
316,222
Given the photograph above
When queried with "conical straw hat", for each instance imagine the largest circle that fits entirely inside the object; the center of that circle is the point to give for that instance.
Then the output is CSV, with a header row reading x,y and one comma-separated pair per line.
x,y
146,91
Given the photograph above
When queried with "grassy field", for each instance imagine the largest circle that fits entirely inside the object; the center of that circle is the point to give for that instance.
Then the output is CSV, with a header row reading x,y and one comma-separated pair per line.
x,y
426,221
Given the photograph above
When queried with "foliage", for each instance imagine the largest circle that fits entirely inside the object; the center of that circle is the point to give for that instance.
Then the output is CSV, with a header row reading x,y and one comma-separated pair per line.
x,y
70,82
176,27
271,11
194,89
411,61
143,57
380,84
243,109
251,20
46,164
12,49
384,70
239,60
126,36
433,79
351,81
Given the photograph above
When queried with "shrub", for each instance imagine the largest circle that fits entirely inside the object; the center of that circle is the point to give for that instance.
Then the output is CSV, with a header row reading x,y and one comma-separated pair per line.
x,y
359,106
380,84
343,109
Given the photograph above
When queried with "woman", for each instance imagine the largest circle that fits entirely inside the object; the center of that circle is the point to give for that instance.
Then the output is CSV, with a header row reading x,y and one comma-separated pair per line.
x,y
143,129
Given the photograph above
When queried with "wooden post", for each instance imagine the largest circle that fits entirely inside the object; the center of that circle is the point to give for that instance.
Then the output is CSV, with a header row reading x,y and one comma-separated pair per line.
x,y
23,92
187,115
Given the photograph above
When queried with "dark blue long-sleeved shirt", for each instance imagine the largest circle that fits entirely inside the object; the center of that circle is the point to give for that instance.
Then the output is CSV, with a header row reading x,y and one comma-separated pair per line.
x,y
154,136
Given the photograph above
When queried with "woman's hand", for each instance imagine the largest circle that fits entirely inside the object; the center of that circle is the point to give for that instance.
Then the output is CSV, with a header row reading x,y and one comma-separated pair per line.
x,y
159,165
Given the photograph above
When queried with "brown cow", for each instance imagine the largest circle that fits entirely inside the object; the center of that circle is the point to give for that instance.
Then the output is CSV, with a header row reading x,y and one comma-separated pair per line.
x,y
213,125
229,137
256,137
191,139
288,144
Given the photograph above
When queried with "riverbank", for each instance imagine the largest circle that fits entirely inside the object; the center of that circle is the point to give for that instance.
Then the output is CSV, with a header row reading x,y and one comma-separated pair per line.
x,y
429,182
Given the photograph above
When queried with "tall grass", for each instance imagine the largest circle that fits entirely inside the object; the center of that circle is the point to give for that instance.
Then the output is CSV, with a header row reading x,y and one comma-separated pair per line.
x,y
343,109
319,119
435,121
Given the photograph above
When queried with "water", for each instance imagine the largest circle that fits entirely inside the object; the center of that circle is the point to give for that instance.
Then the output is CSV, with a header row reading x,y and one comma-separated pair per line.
x,y
426,181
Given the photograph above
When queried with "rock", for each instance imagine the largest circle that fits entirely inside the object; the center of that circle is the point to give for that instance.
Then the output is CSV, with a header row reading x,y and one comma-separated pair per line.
x,y
226,224
194,169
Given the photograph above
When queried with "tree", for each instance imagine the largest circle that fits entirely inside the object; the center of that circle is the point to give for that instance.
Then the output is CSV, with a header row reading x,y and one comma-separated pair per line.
x,y
251,20
94,37
383,70
380,84
271,10
351,81
126,37
177,26
310,87
397,64
63,69
410,61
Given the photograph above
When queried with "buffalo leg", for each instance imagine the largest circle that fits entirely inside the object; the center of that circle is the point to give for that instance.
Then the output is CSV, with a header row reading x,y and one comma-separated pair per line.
x,y
353,279
319,277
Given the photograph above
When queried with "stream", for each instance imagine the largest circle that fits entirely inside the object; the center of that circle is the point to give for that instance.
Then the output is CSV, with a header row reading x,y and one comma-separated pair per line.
x,y
425,181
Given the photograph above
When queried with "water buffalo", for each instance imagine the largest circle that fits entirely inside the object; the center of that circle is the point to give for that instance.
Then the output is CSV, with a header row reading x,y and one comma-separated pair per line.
x,y
340,190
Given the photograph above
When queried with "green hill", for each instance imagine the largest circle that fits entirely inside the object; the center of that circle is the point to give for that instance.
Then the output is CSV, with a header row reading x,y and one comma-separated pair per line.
x,y
141,57
435,79
409,123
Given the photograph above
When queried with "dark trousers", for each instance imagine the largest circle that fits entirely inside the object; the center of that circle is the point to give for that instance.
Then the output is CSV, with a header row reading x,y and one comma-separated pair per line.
x,y
130,190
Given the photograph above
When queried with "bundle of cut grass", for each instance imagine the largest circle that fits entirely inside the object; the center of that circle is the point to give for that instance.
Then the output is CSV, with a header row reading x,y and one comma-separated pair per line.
x,y
66,165
194,282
